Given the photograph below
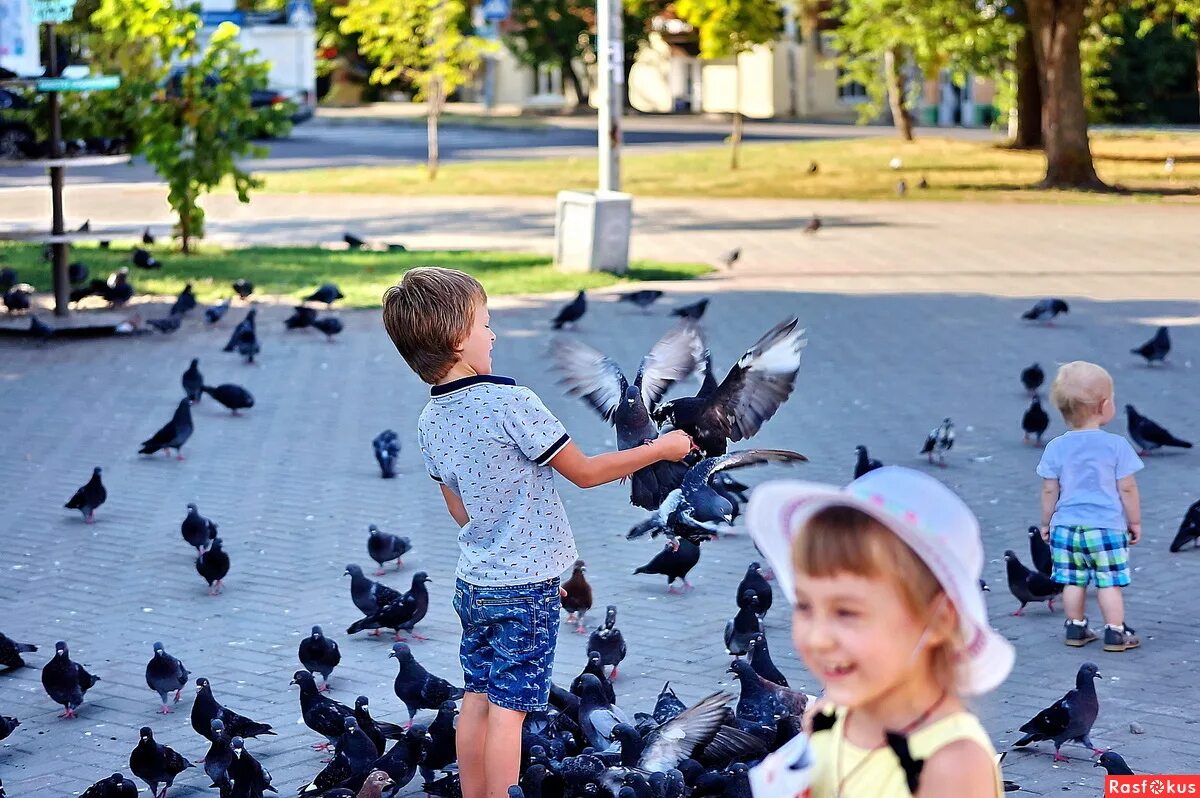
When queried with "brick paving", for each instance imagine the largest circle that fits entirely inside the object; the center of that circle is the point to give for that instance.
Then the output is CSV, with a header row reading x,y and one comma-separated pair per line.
x,y
895,346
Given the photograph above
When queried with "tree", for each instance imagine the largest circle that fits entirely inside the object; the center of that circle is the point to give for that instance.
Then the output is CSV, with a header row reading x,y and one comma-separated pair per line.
x,y
1027,84
553,32
1182,15
425,42
727,29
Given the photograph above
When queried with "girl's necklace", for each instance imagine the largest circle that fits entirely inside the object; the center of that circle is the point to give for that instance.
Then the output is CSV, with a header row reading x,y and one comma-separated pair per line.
x,y
916,724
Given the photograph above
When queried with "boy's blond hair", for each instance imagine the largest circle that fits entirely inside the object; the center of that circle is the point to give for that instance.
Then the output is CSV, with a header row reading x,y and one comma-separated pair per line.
x,y
1079,389
428,314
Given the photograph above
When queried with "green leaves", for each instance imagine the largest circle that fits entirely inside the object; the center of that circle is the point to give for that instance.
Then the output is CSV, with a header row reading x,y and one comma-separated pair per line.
x,y
729,27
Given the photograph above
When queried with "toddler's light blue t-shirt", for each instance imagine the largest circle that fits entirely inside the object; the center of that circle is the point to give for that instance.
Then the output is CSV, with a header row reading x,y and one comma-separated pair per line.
x,y
1087,464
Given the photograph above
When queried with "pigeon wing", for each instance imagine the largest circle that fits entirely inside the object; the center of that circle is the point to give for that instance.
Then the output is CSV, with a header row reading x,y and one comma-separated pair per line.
x,y
675,356
1051,721
680,737
1152,432
761,381
699,475
591,375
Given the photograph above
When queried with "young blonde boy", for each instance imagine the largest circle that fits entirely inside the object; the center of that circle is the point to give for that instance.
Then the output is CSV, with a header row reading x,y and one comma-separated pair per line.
x,y
492,447
1090,508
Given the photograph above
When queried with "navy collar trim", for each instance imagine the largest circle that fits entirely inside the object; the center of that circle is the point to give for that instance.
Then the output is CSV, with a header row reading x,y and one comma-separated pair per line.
x,y
467,382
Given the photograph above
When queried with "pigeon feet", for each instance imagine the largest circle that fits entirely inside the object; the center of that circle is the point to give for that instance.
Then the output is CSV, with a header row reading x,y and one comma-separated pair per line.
x,y
1019,613
672,591
320,746
179,455
1059,757
612,677
178,695
688,585
91,518
68,713
1097,751
380,572
579,630
164,710
1050,604
324,688
399,563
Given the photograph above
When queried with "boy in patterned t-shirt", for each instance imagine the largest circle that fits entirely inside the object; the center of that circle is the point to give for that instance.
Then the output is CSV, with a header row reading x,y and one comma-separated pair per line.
x,y
492,447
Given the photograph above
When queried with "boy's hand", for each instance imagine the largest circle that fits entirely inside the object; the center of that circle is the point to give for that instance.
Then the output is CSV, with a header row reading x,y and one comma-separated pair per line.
x,y
673,446
1046,533
1135,534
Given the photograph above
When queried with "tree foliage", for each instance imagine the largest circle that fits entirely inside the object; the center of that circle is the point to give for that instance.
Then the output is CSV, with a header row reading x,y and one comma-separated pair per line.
x,y
555,32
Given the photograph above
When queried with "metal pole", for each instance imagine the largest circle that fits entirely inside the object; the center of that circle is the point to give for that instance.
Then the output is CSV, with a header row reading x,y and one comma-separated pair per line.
x,y
611,51
62,286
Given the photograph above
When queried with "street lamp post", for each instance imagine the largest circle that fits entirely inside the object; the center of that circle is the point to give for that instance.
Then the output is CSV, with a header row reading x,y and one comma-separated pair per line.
x,y
611,67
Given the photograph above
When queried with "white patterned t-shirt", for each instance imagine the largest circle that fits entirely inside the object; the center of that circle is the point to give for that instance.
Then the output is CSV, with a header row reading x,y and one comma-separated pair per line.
x,y
491,442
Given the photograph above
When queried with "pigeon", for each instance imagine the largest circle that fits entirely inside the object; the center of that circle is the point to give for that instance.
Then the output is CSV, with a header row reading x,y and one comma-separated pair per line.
x,y
354,755
1029,586
319,654
184,302
754,583
418,688
923,183
197,530
667,705
11,651
939,441
744,625
814,224
1156,349
18,297
353,241
250,779
213,565
901,187
234,397
165,675
599,381
89,497
864,463
1039,552
643,299
166,326
1113,764
173,435
396,247
402,614
115,786
243,288
813,168
694,510
193,382
384,546
155,763
77,272
302,316
731,257
147,237
374,785
597,714
401,760
1046,310
8,278
366,594
761,703
379,731
608,641
1070,718
387,448
244,337
440,751
66,681
118,290
665,746
206,709
144,260
1032,378
595,668
692,312
677,558
327,293
320,713
753,390
7,726
215,313
572,312
330,325
1035,421
1189,532
40,329
1149,435
577,596
758,654
219,758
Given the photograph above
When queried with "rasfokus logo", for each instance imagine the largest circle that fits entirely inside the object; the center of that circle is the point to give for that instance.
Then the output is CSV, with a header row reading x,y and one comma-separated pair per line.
x,y
1151,785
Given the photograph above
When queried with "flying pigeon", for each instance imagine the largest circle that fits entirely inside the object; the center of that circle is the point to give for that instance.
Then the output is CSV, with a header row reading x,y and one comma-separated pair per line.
x,y
213,565
754,583
1113,764
66,681
1156,349
1070,718
11,651
249,777
243,288
864,463
417,687
330,325
643,299
234,397
1032,378
1189,531
599,381
193,381
215,313
89,497
144,260
692,312
165,675
814,224
608,641
1039,551
1148,435
1046,310
1035,421
173,435
147,237
155,763
1029,586
206,709
302,316
939,441
184,302
577,596
384,546
115,786
572,312
387,448
743,626
327,293
319,654
664,747
677,558
198,531
353,241
731,257
751,393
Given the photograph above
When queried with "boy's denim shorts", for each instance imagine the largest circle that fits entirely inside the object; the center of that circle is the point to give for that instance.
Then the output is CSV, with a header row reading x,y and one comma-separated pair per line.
x,y
1082,553
508,640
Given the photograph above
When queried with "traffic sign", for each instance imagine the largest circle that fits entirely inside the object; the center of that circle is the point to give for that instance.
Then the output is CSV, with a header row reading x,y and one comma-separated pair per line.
x,y
52,11
496,10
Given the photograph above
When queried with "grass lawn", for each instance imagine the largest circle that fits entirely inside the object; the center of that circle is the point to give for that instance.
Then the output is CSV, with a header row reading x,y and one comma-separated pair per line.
x,y
294,272
849,169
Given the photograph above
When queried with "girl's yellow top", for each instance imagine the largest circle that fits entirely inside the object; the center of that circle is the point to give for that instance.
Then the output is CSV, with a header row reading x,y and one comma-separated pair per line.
x,y
877,773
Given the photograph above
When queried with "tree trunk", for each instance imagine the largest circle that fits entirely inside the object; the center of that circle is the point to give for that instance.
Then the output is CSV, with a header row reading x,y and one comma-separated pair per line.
x,y
566,64
1055,27
897,99
1196,23
735,140
1028,134
435,110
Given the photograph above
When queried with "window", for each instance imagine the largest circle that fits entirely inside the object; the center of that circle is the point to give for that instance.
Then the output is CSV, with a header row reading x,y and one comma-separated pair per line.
x,y
850,91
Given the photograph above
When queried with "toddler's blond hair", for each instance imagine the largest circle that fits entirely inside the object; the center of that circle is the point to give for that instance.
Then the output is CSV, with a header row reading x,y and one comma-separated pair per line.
x,y
1079,389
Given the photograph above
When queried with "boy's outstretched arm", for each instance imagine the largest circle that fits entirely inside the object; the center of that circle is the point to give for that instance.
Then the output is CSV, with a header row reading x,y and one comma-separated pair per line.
x,y
1050,490
1131,501
588,472
455,505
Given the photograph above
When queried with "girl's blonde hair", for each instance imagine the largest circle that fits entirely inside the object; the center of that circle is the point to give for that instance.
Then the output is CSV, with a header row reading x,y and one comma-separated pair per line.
x,y
845,540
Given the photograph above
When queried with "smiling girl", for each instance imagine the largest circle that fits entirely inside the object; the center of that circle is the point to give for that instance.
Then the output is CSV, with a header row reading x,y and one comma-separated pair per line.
x,y
883,577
